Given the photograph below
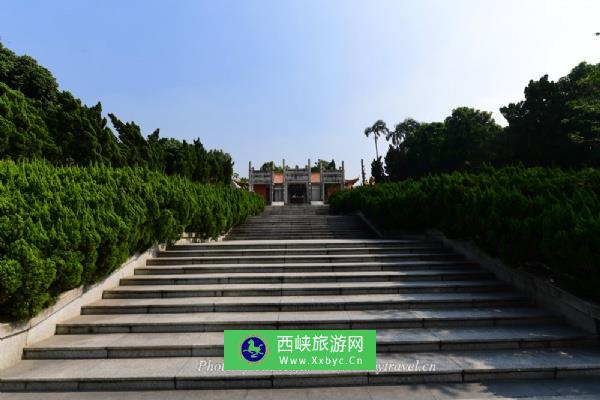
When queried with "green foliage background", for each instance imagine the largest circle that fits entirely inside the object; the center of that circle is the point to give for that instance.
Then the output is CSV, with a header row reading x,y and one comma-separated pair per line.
x,y
65,226
37,120
523,215
557,124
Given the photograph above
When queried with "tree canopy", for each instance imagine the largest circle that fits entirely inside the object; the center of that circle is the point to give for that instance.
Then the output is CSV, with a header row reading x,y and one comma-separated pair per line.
x,y
557,124
38,120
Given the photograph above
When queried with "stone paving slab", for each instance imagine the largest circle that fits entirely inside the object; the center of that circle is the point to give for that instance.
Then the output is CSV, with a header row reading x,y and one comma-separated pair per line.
x,y
298,303
304,277
311,285
327,266
339,319
119,340
196,372
283,242
363,297
307,258
412,337
310,316
558,389
176,251
294,235
357,274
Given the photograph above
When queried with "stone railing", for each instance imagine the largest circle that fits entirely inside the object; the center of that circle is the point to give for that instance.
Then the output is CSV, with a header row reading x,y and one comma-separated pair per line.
x,y
332,176
261,177
296,176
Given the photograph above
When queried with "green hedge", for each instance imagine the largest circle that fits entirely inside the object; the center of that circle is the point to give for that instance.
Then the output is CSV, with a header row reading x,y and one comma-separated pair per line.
x,y
524,216
64,226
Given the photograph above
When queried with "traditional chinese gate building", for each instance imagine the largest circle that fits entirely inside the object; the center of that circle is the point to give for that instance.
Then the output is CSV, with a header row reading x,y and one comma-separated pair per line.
x,y
297,185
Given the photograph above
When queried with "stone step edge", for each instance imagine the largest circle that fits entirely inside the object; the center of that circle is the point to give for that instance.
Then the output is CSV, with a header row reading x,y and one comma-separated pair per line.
x,y
446,253
372,287
139,292
286,245
323,251
217,326
383,347
304,242
166,279
319,274
254,307
353,264
296,379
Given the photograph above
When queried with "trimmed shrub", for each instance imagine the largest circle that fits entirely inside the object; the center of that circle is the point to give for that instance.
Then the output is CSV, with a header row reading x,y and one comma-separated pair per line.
x,y
61,227
524,216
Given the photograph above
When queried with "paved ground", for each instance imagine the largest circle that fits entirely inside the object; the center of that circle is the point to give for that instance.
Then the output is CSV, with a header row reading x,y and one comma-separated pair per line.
x,y
562,389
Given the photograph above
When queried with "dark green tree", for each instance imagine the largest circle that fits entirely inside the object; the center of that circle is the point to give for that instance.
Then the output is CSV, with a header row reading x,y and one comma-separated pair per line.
x,y
135,148
469,137
419,153
24,74
267,166
558,123
466,139
377,170
23,131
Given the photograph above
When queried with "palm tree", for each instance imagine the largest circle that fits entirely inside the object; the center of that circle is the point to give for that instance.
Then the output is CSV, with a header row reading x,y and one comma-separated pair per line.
x,y
408,127
379,128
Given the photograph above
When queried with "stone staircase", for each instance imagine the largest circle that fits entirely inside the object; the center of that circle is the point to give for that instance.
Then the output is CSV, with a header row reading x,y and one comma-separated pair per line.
x,y
300,222
163,327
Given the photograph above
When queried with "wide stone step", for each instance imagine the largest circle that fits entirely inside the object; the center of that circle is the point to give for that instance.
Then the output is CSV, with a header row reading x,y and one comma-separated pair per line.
x,y
302,229
175,252
300,277
305,303
204,344
301,209
302,244
206,372
339,235
304,217
308,219
291,233
304,258
303,225
298,228
304,221
302,267
302,289
340,319
307,224
267,215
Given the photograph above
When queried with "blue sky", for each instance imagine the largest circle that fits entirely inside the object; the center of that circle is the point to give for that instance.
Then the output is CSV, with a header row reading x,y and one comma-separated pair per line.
x,y
296,79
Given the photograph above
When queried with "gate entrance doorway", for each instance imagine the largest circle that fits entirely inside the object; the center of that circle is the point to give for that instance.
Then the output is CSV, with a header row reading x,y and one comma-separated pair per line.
x,y
297,193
